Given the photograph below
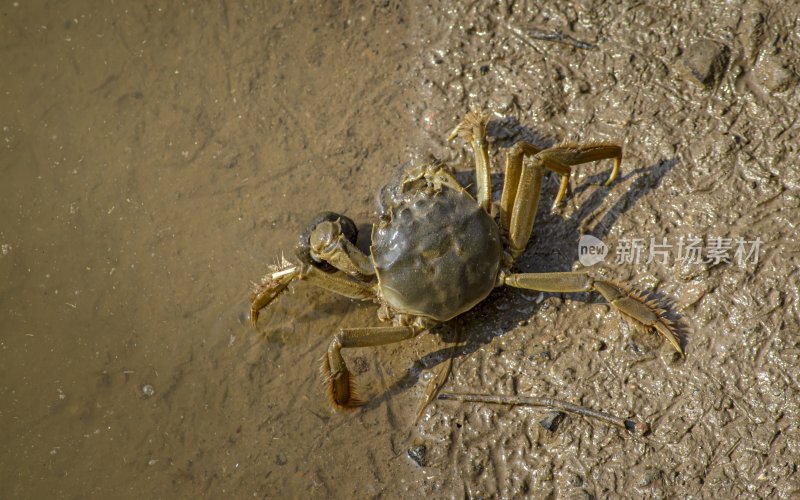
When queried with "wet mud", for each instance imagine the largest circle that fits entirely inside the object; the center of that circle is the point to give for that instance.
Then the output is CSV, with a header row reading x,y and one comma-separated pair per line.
x,y
156,159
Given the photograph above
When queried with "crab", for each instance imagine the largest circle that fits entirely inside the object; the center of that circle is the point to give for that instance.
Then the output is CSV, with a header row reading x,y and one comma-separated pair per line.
x,y
437,252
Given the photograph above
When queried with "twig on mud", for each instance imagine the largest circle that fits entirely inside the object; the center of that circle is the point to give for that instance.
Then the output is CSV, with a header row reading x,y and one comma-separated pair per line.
x,y
639,428
552,36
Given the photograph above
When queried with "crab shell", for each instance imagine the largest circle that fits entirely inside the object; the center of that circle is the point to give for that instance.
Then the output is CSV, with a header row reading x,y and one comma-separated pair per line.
x,y
436,252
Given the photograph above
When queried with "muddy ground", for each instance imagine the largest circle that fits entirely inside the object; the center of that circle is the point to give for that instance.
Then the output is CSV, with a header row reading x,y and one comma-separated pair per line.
x,y
156,158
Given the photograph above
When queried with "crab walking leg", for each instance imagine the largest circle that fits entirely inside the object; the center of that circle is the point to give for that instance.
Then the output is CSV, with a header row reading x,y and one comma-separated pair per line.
x,y
524,202
560,158
642,314
277,282
334,369
438,380
440,376
338,284
473,130
511,181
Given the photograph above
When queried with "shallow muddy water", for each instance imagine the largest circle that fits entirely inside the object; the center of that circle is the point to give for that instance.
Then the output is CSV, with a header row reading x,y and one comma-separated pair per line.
x,y
156,159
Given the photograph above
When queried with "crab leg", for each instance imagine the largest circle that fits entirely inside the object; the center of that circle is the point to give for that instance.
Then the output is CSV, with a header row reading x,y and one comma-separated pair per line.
x,y
338,284
561,157
337,377
524,202
511,182
473,130
438,380
641,313
275,283
440,376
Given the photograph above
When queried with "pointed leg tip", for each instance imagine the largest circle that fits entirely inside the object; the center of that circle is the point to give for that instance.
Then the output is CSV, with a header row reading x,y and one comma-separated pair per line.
x,y
560,197
611,179
677,346
667,332
613,176
351,404
253,318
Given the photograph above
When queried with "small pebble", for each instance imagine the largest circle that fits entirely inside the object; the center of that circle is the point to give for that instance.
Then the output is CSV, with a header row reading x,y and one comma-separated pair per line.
x,y
418,453
551,421
706,61
148,391
502,103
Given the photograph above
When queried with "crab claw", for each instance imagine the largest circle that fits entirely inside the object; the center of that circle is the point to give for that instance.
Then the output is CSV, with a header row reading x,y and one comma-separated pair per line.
x,y
271,286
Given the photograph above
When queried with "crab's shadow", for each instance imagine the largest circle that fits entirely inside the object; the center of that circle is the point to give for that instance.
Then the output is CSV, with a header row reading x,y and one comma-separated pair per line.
x,y
553,247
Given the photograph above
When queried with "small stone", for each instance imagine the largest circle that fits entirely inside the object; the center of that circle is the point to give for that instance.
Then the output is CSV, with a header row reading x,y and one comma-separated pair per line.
x,y
148,390
706,61
552,420
502,103
417,453
280,459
